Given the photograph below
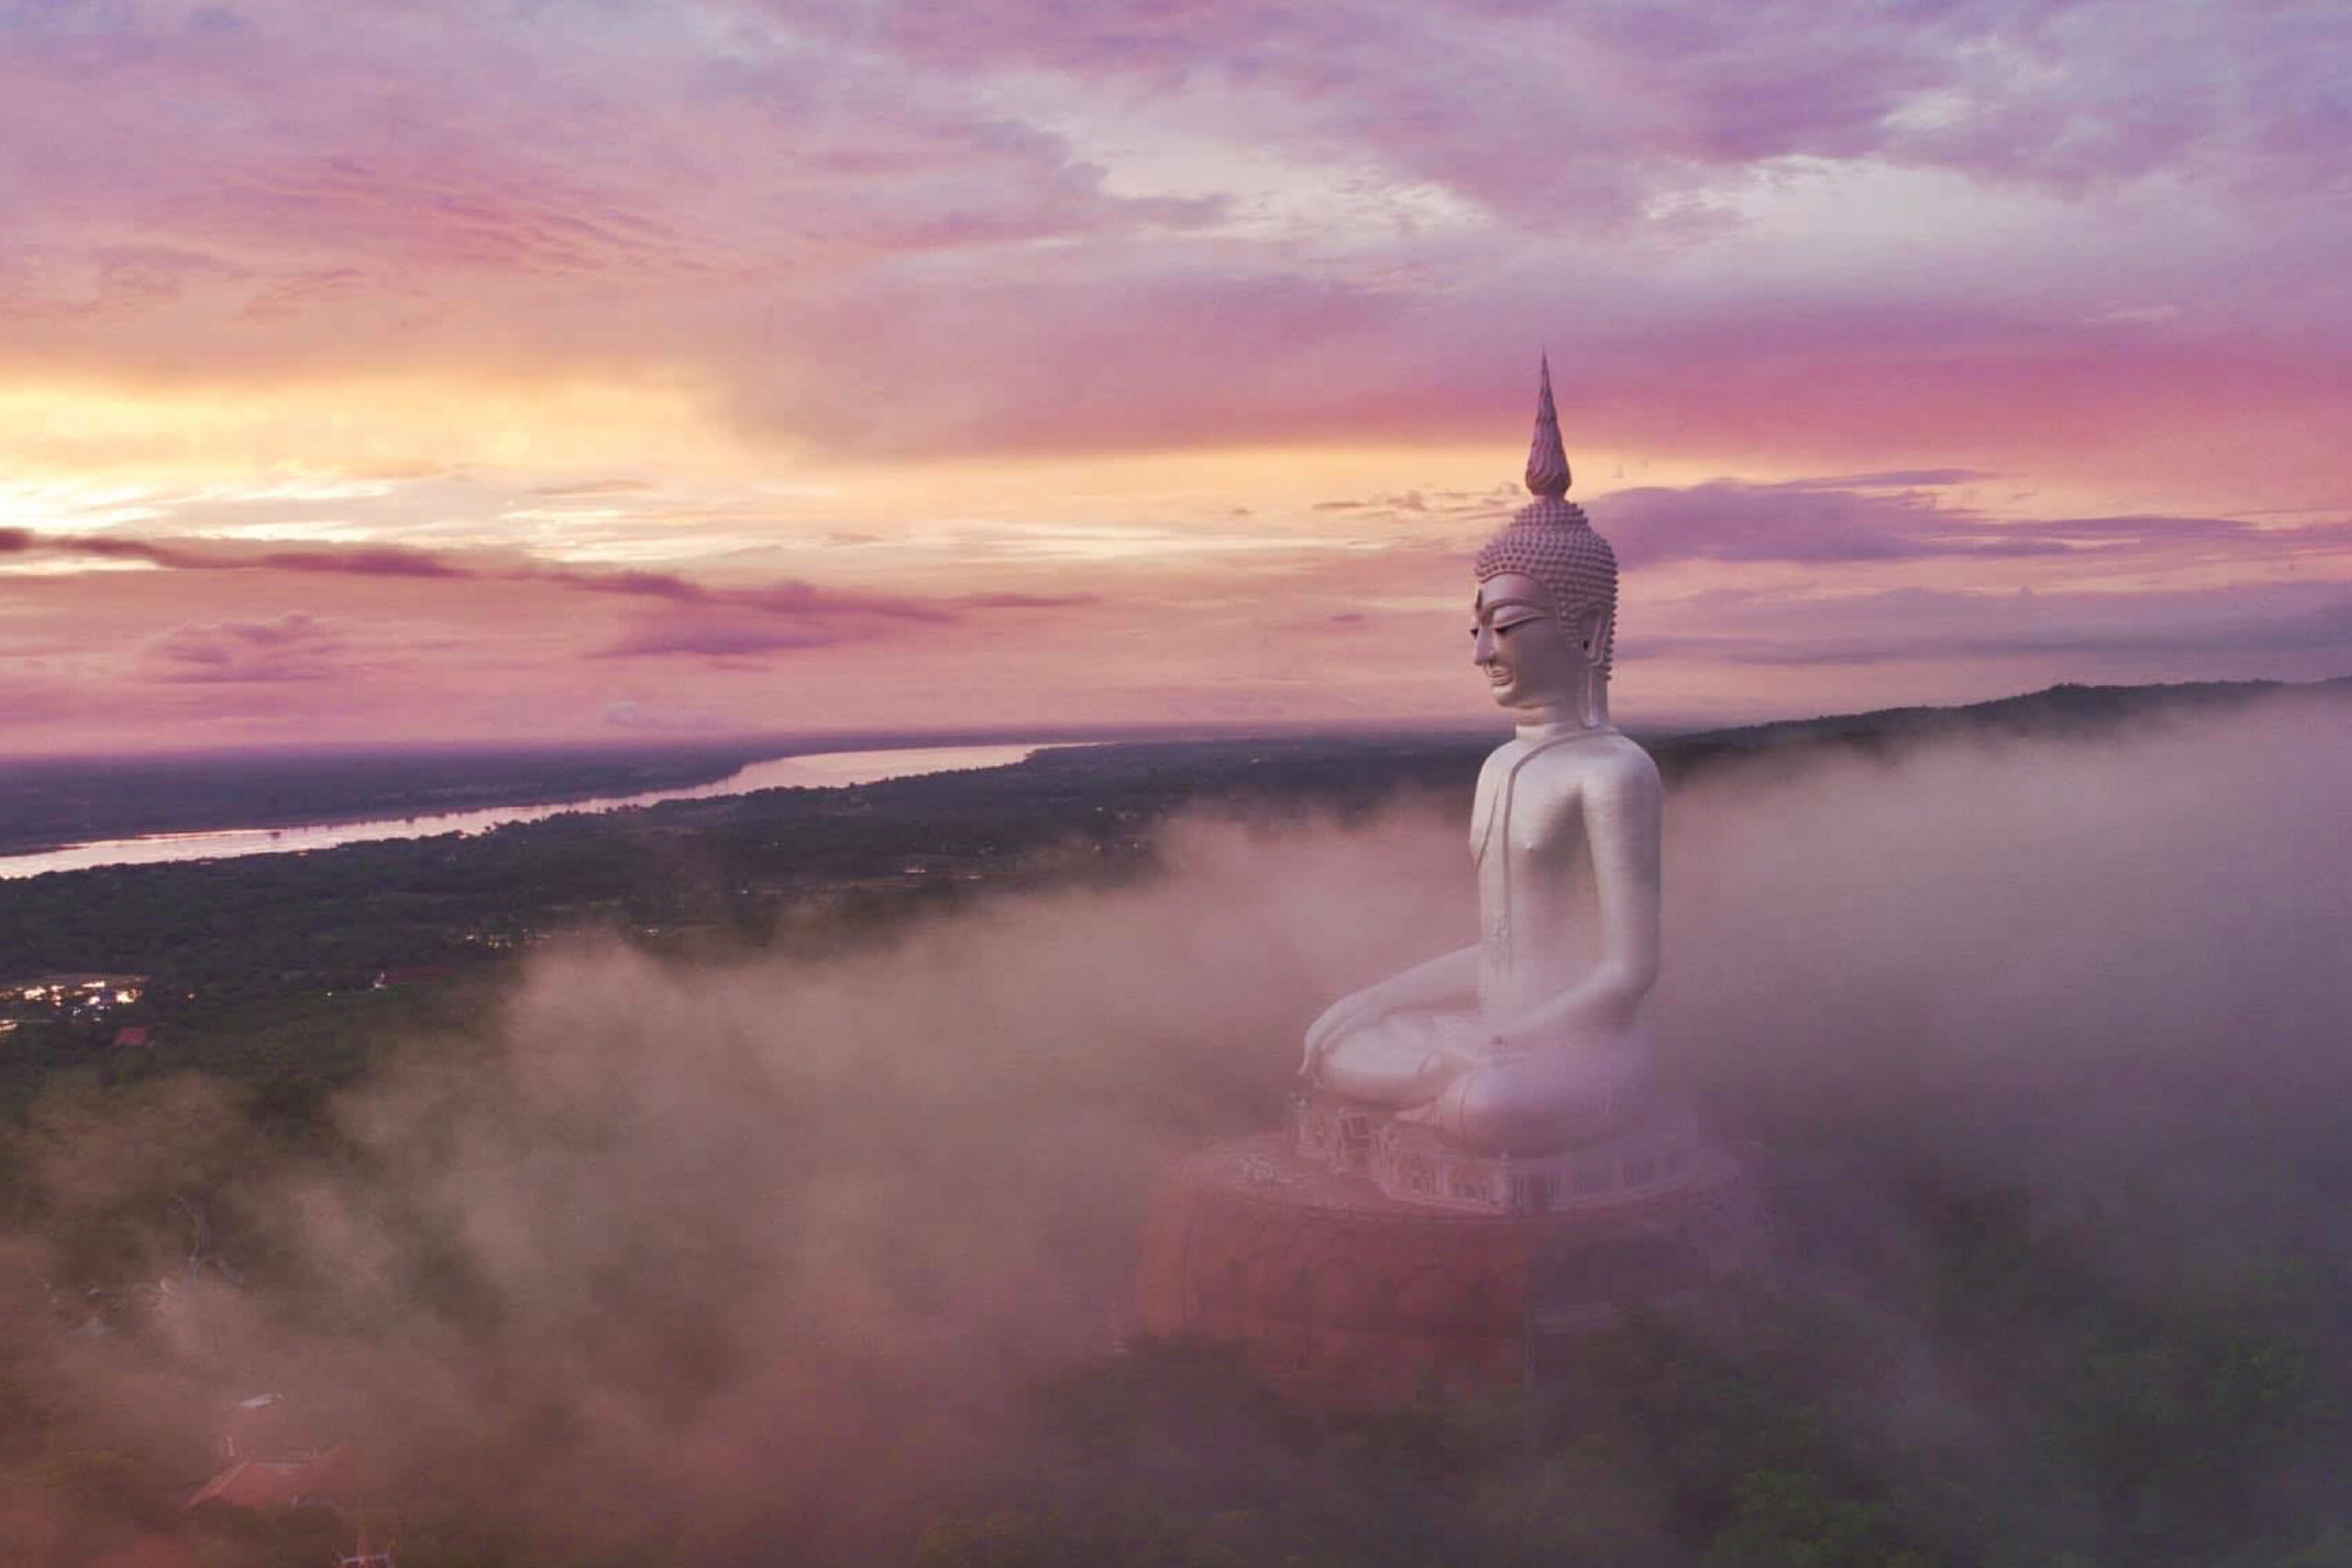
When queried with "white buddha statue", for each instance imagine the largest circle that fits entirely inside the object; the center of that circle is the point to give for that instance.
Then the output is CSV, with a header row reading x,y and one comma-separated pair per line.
x,y
1528,1042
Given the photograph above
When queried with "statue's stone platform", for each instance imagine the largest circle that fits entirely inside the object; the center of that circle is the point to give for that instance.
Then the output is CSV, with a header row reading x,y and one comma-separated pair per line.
x,y
1413,1165
1466,1270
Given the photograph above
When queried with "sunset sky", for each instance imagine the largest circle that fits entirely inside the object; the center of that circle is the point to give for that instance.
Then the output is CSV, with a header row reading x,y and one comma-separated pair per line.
x,y
466,371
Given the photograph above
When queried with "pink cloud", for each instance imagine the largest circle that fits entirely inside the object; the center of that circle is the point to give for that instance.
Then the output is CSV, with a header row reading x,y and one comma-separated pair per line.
x,y
371,561
802,600
292,647
1856,520
632,717
831,215
787,599
2168,632
1528,106
701,638
1362,636
1006,601
2096,242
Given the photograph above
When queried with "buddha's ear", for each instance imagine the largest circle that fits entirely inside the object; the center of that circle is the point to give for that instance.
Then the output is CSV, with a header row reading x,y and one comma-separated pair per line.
x,y
1591,628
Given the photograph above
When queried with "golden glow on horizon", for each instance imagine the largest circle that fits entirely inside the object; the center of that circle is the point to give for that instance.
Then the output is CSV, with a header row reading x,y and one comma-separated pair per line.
x,y
1277,583
86,443
383,427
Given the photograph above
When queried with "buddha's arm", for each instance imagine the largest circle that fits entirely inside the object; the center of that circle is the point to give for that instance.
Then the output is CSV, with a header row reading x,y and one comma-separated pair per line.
x,y
1446,980
1621,821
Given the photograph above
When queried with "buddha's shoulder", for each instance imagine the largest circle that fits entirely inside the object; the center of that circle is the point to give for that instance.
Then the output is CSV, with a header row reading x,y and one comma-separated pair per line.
x,y
1609,753
1618,760
1609,764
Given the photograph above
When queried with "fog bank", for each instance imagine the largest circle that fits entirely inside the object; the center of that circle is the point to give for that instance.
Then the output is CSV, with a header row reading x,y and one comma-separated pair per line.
x,y
750,1263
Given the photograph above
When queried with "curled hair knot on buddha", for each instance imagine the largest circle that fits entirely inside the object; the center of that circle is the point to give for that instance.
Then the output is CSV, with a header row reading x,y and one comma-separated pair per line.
x,y
1550,540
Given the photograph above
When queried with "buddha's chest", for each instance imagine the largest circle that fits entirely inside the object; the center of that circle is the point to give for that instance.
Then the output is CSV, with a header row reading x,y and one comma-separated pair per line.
x,y
1520,821
1528,847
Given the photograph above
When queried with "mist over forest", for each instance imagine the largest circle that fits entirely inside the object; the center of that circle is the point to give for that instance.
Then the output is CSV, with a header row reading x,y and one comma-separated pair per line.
x,y
2036,1041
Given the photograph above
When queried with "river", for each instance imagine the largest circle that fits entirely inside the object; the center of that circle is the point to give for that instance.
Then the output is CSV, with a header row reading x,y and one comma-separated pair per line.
x,y
822,770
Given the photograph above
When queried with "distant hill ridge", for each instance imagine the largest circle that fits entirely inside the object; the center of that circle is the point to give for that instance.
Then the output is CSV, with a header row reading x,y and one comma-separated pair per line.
x,y
2065,709
48,802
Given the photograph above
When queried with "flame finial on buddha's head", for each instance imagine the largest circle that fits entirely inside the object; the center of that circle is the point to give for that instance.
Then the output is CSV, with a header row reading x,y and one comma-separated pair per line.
x,y
1547,459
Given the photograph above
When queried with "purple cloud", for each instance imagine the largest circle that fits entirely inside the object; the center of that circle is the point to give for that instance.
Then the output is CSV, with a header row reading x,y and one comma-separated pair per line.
x,y
664,637
1727,520
373,562
2199,630
1530,107
1895,516
794,599
981,192
292,647
652,717
1027,600
791,599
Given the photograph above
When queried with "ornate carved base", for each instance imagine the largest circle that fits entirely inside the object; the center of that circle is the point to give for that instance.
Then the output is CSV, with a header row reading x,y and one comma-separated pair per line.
x,y
1413,1165
1349,1296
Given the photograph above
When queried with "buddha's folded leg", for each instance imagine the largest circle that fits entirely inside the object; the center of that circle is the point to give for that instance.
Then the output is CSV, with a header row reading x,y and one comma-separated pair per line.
x,y
1536,1101
1403,1059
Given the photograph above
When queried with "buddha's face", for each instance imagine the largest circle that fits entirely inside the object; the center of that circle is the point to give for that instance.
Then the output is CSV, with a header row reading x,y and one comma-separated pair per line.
x,y
1529,660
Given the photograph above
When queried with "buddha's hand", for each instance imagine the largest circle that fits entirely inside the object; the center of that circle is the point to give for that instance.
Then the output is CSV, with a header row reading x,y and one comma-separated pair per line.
x,y
1350,1012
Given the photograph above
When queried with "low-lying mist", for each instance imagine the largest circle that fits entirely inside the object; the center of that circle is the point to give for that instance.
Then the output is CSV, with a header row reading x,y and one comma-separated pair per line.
x,y
753,1263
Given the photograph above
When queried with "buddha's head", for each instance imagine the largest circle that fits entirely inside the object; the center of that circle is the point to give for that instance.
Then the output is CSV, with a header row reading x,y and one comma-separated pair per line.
x,y
1548,557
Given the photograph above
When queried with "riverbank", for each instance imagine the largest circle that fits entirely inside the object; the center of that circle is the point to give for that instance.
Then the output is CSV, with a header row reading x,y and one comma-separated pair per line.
x,y
819,770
